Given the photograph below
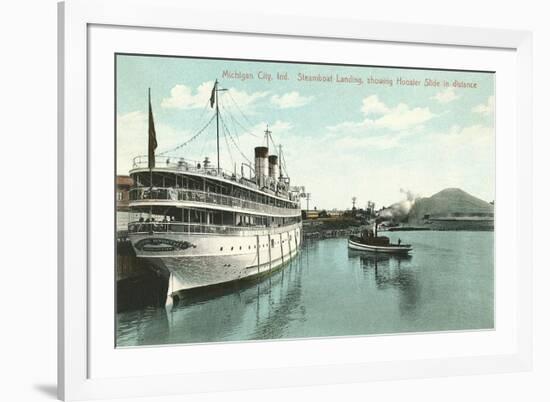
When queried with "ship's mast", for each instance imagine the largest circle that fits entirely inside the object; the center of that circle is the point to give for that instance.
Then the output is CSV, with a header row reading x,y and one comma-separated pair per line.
x,y
280,162
215,91
217,125
280,149
267,135
149,161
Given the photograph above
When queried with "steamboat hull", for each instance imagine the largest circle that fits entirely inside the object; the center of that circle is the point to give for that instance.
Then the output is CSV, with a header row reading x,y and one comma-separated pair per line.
x,y
192,261
390,249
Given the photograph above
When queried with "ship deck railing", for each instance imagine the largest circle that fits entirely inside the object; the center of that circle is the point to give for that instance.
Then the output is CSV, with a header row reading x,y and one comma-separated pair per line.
x,y
162,194
182,165
198,228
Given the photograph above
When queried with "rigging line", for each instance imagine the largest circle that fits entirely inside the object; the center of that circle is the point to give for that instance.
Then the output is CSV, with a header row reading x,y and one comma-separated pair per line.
x,y
234,143
235,129
197,125
204,142
235,121
224,129
190,139
284,163
232,121
205,138
238,127
273,142
203,112
239,109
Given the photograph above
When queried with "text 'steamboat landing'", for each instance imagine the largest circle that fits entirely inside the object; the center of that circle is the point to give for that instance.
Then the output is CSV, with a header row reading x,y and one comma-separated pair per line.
x,y
370,241
200,225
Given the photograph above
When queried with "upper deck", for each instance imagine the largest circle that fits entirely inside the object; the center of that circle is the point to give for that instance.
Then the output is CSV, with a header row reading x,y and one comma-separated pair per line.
x,y
186,183
190,167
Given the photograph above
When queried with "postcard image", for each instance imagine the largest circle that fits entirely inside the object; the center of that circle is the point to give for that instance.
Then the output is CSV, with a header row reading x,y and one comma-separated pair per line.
x,y
260,200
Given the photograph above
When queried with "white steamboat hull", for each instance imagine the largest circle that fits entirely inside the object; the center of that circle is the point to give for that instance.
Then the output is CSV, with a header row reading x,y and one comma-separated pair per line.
x,y
379,249
194,260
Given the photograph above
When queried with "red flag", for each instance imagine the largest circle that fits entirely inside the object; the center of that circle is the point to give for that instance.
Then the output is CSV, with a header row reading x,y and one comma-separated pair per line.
x,y
152,136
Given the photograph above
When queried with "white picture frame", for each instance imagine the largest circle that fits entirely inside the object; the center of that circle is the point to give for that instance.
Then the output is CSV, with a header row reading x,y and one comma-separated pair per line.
x,y
75,381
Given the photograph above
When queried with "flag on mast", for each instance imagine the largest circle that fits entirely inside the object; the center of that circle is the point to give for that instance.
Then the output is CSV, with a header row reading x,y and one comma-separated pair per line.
x,y
213,95
152,136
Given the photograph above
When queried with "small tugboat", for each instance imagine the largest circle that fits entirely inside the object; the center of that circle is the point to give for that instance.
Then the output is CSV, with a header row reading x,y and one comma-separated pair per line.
x,y
370,241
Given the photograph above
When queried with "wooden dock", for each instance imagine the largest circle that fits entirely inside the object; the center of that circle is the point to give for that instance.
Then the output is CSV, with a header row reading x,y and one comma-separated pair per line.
x,y
137,285
332,233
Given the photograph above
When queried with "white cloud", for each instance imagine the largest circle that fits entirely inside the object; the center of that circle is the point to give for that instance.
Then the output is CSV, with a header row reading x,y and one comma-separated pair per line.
x,y
131,122
476,131
380,142
243,99
465,158
132,138
471,145
373,105
486,109
446,96
400,117
461,136
403,117
277,127
183,97
290,100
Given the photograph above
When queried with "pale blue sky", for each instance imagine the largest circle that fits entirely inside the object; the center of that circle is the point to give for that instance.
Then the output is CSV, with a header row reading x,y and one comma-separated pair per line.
x,y
340,139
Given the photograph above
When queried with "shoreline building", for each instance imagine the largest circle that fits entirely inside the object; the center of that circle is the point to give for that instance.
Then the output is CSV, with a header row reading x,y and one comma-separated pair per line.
x,y
123,186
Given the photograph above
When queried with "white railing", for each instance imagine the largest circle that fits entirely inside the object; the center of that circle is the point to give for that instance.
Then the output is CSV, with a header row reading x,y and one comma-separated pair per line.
x,y
182,165
179,227
187,165
175,194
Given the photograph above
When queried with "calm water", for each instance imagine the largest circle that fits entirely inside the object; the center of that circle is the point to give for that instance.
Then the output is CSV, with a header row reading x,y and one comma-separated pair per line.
x,y
328,290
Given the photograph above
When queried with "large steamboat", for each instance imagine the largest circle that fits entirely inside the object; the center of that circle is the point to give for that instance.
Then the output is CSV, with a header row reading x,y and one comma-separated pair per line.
x,y
200,225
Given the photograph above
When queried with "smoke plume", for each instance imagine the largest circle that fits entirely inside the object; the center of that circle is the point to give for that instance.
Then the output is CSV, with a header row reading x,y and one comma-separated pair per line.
x,y
400,210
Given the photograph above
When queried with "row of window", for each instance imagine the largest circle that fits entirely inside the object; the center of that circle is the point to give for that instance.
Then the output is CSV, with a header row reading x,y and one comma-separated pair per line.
x,y
273,243
164,180
213,217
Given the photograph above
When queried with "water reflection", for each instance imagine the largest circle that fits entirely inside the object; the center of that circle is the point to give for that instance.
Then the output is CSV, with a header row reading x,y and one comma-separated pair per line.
x,y
328,290
392,272
263,308
284,306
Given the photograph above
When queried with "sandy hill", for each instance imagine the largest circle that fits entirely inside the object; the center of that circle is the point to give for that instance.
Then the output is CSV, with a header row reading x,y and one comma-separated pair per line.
x,y
447,202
